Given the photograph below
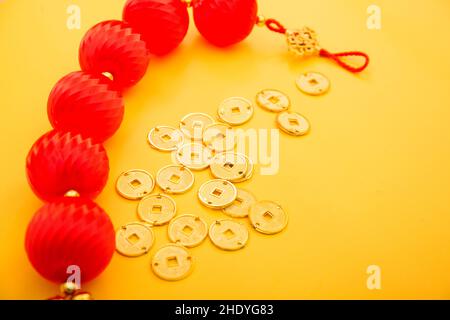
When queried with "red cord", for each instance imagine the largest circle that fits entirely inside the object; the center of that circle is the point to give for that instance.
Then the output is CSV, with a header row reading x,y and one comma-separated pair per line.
x,y
336,57
275,26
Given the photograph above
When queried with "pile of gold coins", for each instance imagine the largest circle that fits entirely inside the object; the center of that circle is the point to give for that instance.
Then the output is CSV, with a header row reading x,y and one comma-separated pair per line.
x,y
200,143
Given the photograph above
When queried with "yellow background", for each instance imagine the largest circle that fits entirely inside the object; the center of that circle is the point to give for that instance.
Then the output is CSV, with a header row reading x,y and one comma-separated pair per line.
x,y
369,185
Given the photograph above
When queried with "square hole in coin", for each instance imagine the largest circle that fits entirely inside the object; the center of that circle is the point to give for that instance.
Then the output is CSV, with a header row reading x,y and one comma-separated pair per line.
x,y
175,179
228,165
194,156
166,137
172,262
294,122
235,110
217,193
229,234
197,124
313,82
268,215
133,238
187,230
135,183
157,208
274,99
238,202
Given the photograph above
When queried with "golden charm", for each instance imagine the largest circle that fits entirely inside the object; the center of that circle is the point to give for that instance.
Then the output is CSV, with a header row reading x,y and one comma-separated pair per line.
x,y
303,42
172,262
157,209
135,184
228,234
188,230
313,83
134,239
268,217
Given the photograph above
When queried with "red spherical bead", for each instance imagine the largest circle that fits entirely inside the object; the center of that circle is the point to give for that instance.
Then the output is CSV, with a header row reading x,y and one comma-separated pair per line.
x,y
112,46
85,103
70,232
225,22
163,24
61,162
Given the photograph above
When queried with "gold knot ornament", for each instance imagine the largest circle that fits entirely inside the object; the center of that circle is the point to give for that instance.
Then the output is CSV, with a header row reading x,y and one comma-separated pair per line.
x,y
303,42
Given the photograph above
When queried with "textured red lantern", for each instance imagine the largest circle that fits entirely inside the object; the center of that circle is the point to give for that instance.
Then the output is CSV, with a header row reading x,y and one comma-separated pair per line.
x,y
113,47
70,232
85,103
61,162
163,24
225,22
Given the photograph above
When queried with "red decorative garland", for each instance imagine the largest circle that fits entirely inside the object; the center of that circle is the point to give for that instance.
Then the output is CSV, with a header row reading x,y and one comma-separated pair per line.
x,y
85,108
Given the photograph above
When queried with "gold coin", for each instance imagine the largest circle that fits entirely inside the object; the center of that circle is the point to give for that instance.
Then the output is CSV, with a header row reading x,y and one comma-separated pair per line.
x,y
175,179
268,217
194,156
135,184
134,239
219,137
235,111
229,166
273,100
165,138
228,234
217,194
193,125
172,262
249,174
188,230
293,123
313,83
241,206
157,209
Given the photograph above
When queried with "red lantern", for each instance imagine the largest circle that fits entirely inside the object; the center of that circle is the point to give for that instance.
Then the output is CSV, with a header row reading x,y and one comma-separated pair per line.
x,y
70,232
61,162
113,47
163,24
225,22
85,103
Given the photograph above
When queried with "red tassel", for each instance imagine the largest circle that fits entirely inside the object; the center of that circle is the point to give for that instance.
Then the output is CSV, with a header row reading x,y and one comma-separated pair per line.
x,y
276,26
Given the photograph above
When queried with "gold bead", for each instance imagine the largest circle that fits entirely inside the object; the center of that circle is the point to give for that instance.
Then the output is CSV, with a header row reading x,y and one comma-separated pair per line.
x,y
260,20
69,288
108,75
188,3
72,194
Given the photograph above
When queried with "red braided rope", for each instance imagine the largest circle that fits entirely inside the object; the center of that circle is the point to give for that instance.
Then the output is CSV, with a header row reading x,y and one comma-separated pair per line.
x,y
336,57
275,26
